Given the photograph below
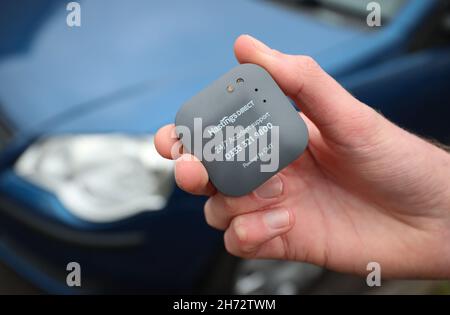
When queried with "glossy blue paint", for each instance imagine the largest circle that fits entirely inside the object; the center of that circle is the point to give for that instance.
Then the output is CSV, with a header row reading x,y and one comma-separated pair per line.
x,y
178,45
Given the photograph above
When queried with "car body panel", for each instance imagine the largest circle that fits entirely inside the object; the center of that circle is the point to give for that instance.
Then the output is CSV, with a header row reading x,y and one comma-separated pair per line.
x,y
111,54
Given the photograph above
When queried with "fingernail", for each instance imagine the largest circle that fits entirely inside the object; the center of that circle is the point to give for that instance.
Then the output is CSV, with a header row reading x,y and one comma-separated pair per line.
x,y
277,219
270,189
260,45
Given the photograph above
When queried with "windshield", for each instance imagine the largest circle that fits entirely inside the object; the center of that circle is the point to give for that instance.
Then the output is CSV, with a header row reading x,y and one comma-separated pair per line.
x,y
339,11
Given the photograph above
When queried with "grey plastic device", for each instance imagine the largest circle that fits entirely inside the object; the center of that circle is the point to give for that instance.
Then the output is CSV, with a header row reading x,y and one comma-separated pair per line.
x,y
247,98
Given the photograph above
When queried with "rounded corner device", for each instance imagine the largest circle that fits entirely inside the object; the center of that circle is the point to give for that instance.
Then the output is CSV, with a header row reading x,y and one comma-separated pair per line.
x,y
243,129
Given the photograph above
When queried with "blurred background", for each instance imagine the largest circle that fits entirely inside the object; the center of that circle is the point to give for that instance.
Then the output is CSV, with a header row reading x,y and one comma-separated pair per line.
x,y
80,180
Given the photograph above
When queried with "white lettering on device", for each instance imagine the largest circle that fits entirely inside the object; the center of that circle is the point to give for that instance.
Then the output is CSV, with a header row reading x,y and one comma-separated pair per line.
x,y
225,121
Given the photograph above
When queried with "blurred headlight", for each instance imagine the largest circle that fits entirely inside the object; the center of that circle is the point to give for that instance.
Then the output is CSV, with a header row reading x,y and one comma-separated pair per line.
x,y
100,178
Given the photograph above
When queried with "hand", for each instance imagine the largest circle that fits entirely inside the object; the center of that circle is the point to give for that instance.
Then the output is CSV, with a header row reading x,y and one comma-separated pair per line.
x,y
365,190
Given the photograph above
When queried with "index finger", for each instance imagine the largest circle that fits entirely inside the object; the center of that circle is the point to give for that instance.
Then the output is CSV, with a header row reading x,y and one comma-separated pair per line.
x,y
167,142
190,174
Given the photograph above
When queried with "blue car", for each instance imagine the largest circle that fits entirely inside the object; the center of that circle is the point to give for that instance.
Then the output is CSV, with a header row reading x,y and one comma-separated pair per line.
x,y
80,180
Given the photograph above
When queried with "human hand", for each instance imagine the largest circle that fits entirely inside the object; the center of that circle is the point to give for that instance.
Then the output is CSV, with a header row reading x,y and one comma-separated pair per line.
x,y
364,190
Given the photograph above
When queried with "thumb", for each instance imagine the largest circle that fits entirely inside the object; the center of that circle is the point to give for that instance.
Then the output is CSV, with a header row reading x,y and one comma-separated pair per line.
x,y
329,106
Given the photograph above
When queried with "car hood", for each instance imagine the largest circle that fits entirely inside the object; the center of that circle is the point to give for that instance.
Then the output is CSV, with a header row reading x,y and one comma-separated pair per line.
x,y
130,65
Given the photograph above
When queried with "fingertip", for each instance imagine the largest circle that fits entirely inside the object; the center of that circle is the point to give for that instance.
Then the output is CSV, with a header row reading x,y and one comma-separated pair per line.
x,y
165,140
191,175
243,48
248,49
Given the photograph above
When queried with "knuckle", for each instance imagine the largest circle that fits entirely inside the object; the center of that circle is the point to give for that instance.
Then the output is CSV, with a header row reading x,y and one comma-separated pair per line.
x,y
208,216
277,53
211,218
231,204
228,246
363,126
244,246
234,249
308,64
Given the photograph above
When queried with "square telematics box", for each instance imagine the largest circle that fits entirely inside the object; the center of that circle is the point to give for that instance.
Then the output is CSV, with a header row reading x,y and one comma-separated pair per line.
x,y
242,128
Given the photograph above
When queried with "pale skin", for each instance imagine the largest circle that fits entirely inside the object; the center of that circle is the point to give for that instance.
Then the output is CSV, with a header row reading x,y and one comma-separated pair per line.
x,y
364,190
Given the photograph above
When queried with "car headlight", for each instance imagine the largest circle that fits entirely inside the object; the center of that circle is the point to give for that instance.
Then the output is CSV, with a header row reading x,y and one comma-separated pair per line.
x,y
100,178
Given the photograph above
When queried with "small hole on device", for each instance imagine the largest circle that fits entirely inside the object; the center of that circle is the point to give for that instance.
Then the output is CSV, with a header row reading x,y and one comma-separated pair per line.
x,y
264,101
256,90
